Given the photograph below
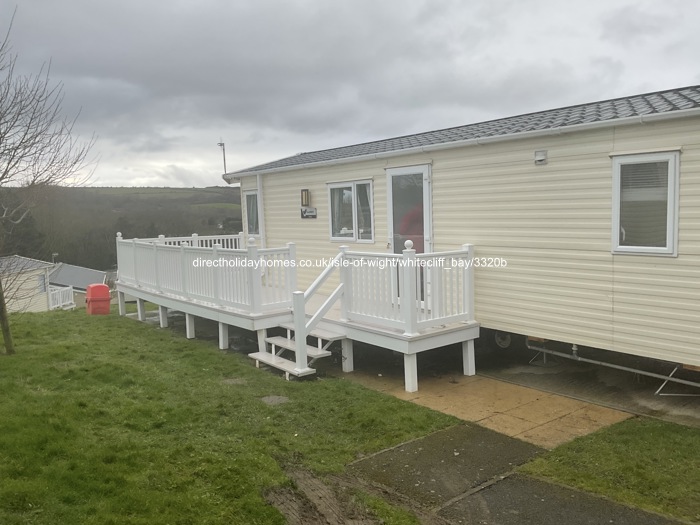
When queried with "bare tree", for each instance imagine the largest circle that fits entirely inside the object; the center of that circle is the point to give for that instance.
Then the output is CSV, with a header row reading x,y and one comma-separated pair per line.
x,y
38,148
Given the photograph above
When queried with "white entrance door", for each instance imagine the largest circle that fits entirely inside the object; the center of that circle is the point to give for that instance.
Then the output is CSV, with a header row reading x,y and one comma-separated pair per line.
x,y
410,208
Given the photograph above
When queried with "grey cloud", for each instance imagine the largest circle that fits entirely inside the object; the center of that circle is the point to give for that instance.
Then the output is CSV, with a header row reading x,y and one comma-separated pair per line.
x,y
278,77
631,24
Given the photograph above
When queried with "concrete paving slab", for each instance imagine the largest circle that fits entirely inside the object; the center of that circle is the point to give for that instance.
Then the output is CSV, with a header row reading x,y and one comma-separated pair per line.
x,y
542,418
613,388
546,408
547,436
441,466
521,500
507,424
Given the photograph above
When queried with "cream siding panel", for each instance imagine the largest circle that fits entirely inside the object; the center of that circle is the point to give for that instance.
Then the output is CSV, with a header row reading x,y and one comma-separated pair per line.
x,y
657,299
312,236
551,223
22,292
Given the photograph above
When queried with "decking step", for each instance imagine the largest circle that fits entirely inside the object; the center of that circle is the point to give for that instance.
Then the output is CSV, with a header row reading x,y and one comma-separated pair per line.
x,y
287,366
326,335
290,344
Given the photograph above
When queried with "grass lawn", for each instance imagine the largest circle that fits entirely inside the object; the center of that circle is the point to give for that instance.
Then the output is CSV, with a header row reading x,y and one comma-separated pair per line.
x,y
106,420
641,462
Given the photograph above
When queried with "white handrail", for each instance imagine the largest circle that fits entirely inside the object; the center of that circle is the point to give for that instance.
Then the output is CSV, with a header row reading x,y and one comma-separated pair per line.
x,y
299,300
335,263
325,308
227,242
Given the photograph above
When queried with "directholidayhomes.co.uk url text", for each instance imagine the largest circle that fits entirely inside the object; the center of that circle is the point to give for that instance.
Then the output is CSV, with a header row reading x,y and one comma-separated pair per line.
x,y
370,262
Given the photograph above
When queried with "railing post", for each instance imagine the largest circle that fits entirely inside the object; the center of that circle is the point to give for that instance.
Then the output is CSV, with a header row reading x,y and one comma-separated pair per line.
x,y
239,241
120,253
161,241
216,275
155,259
346,279
468,281
299,311
291,270
254,278
195,240
185,272
437,290
133,254
408,293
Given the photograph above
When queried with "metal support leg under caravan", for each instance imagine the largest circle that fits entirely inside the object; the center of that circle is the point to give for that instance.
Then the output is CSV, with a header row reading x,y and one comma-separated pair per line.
x,y
576,357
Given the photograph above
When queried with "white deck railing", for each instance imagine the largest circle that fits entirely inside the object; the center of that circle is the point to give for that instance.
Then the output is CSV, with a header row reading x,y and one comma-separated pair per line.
x,y
60,297
229,242
409,292
201,269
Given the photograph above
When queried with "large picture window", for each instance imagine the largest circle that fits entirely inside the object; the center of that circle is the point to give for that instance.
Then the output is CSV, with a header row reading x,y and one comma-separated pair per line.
x,y
645,193
351,215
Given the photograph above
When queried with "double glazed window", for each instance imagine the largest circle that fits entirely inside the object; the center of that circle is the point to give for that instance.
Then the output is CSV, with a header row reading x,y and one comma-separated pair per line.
x,y
645,215
351,217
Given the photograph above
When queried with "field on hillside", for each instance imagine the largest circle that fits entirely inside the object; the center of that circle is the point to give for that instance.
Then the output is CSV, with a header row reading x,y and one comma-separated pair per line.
x,y
80,224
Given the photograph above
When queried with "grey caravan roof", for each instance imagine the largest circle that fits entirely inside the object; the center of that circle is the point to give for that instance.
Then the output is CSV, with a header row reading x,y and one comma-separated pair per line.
x,y
76,276
17,264
608,112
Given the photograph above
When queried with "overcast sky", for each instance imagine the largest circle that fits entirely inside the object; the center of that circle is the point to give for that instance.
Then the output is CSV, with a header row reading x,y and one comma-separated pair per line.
x,y
161,82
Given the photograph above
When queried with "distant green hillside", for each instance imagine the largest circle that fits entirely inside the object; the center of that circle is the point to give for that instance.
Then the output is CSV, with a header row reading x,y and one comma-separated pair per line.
x,y
80,224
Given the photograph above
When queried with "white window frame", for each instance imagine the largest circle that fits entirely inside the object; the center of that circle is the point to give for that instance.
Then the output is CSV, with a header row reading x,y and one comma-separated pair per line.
x,y
671,248
353,185
247,193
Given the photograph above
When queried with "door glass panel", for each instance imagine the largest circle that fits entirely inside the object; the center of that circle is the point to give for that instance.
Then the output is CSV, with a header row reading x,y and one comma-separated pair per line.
x,y
407,197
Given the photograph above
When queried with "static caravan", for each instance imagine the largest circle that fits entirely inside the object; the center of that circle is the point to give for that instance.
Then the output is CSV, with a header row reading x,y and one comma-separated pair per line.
x,y
584,220
27,286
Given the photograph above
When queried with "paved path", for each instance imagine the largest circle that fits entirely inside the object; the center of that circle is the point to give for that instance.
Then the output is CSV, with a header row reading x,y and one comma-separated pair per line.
x,y
465,475
544,419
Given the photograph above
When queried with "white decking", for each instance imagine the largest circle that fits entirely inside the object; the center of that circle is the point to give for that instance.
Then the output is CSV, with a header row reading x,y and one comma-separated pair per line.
x,y
408,303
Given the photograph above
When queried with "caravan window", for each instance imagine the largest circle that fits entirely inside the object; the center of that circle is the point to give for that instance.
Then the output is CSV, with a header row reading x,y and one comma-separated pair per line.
x,y
645,193
41,282
351,214
252,212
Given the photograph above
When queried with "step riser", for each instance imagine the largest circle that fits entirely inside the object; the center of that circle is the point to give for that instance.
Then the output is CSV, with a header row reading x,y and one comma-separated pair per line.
x,y
283,344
